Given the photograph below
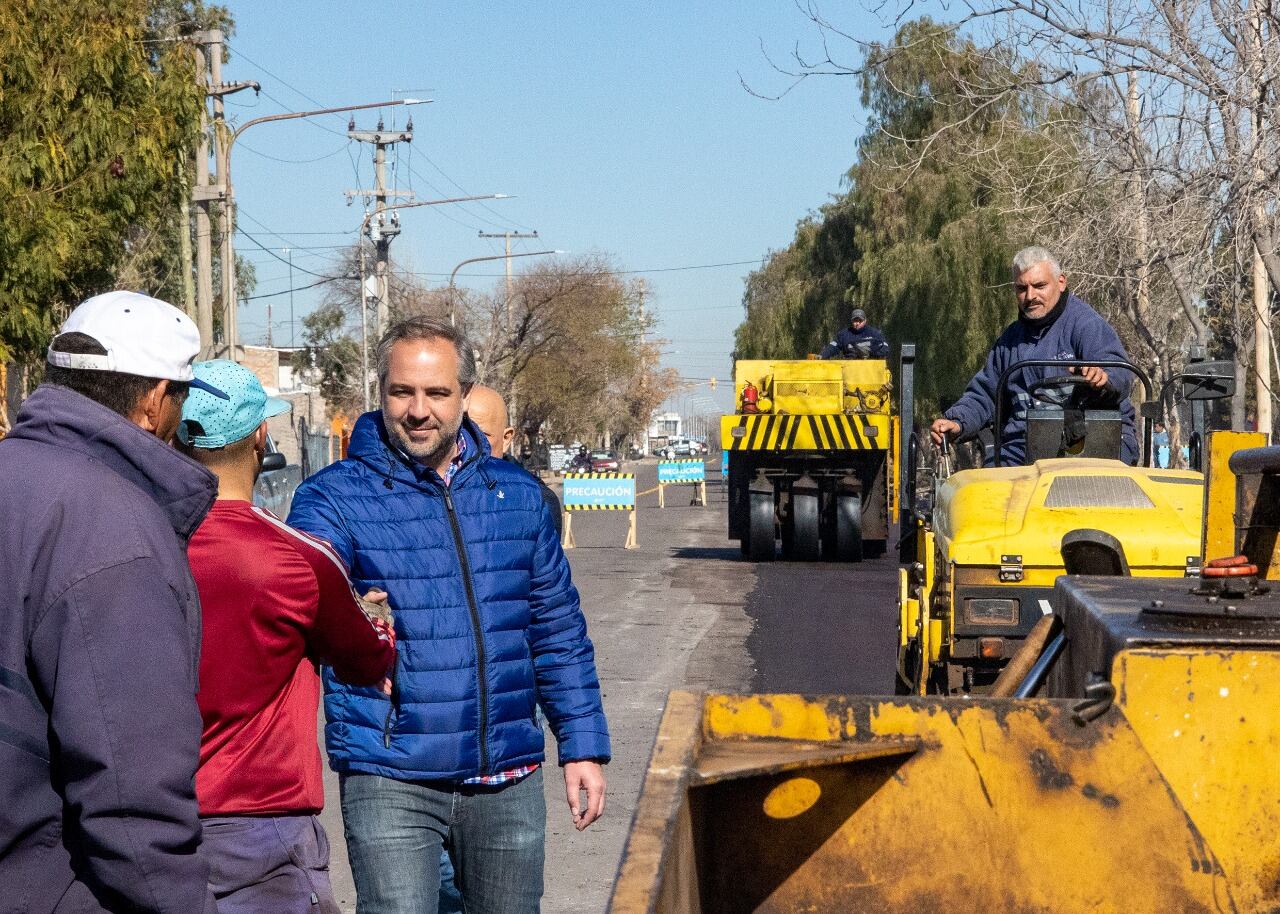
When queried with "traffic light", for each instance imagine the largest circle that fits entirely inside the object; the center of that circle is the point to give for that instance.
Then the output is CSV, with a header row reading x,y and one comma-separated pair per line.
x,y
712,383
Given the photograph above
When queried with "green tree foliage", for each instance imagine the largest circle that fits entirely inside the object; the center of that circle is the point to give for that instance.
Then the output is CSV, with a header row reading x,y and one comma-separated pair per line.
x,y
99,110
333,356
917,238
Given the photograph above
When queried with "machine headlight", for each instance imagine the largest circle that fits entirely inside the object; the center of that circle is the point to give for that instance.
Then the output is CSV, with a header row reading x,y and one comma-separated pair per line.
x,y
990,611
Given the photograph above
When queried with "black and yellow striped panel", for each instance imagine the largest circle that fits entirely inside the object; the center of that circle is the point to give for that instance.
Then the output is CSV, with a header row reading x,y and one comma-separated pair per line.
x,y
829,432
598,475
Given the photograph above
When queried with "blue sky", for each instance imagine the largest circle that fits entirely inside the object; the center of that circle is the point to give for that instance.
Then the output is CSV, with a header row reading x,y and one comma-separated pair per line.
x,y
619,127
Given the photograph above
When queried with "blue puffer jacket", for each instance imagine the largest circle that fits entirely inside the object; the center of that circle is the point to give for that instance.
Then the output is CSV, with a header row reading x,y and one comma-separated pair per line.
x,y
487,617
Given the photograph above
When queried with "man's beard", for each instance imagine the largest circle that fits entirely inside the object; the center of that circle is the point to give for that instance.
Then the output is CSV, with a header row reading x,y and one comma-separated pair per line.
x,y
429,451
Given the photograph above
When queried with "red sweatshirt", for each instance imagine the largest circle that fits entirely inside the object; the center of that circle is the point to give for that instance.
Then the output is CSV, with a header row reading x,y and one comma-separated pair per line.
x,y
275,603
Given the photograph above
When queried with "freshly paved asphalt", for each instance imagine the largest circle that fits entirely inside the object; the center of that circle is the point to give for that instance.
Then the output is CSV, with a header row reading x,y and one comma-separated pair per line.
x,y
685,611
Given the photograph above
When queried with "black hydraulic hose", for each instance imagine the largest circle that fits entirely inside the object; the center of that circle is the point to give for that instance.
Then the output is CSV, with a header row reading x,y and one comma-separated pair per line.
x,y
1069,363
1036,675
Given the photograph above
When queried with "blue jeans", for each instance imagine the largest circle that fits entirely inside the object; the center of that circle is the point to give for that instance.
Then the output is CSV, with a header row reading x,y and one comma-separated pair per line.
x,y
396,831
268,864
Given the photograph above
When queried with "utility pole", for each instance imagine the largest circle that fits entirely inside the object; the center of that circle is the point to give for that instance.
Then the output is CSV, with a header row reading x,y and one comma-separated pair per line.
x,y
292,343
209,188
381,229
186,251
202,194
507,236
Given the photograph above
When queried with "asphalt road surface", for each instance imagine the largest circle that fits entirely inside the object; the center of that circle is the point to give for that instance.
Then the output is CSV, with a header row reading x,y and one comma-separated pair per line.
x,y
685,611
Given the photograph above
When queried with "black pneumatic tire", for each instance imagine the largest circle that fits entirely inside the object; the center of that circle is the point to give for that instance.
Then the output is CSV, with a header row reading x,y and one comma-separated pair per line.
x,y
804,542
760,539
848,528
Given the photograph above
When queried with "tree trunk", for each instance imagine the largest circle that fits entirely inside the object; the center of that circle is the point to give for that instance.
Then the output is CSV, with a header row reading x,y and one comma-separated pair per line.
x,y
1239,398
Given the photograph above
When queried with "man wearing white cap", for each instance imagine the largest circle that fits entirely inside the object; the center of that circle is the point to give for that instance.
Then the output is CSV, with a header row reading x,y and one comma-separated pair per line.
x,y
100,622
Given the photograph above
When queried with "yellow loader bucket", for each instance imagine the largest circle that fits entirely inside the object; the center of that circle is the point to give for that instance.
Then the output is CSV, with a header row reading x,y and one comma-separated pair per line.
x,y
785,803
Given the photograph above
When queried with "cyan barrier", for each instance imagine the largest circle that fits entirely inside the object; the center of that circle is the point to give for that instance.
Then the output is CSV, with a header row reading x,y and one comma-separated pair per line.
x,y
588,491
598,492
672,471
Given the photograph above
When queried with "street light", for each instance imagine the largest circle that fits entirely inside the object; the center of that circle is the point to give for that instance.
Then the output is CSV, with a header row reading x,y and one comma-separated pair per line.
x,y
453,321
364,300
229,204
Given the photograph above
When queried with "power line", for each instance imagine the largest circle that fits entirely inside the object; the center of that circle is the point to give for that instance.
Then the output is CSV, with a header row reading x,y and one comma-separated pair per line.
x,y
327,155
696,266
288,241
310,247
505,220
350,231
295,289
283,260
278,79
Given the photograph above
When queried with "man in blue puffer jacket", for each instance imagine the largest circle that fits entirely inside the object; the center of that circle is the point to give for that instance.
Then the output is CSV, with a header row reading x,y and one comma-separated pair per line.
x,y
1052,324
488,626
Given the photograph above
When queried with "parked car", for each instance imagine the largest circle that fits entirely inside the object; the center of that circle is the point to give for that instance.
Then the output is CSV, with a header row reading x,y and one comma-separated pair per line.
x,y
681,447
277,482
604,462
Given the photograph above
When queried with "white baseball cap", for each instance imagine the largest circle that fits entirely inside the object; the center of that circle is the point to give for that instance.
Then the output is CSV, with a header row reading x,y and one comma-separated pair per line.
x,y
142,335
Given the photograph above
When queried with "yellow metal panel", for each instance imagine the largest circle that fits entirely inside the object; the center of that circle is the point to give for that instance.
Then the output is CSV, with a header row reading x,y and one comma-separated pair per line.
x,y
892,471
806,387
937,636
865,374
906,616
1210,721
1220,491
983,514
782,716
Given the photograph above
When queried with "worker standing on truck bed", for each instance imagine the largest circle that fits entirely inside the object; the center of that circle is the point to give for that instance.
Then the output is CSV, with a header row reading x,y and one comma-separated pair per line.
x,y
857,341
1052,324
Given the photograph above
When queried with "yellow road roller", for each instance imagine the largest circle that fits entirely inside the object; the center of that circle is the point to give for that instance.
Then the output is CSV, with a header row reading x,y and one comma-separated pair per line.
x,y
814,457
1126,766
984,546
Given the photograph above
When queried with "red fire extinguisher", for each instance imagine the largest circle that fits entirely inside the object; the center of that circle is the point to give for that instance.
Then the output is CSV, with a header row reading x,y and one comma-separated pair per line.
x,y
750,398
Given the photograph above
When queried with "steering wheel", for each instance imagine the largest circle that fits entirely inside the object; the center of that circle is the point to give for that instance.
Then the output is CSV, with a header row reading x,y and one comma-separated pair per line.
x,y
1049,390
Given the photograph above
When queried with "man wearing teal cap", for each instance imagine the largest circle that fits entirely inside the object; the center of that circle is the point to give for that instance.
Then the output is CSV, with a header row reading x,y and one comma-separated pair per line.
x,y
276,603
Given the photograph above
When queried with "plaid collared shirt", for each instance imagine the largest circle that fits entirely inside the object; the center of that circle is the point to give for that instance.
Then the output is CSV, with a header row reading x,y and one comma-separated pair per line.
x,y
511,774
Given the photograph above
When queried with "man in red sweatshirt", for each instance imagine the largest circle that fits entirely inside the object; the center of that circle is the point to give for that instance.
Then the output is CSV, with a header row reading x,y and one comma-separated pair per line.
x,y
276,604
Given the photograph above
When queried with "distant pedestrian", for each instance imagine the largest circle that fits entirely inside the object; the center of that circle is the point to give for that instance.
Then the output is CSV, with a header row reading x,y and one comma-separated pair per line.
x,y
489,626
1160,443
100,623
277,603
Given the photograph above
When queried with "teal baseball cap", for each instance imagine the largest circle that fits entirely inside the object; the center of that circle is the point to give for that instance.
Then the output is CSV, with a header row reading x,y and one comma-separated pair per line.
x,y
210,422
